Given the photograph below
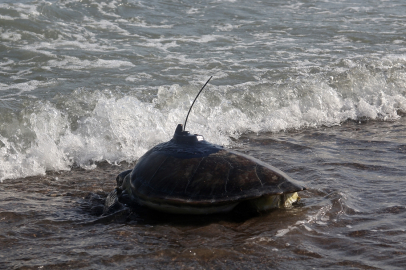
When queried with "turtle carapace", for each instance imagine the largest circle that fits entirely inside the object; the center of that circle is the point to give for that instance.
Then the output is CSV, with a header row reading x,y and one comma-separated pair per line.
x,y
188,175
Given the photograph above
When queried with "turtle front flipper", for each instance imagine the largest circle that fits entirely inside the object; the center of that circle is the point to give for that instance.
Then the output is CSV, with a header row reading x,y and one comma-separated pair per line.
x,y
118,198
112,203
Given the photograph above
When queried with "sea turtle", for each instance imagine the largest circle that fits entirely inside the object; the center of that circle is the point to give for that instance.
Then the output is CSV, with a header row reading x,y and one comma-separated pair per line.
x,y
189,175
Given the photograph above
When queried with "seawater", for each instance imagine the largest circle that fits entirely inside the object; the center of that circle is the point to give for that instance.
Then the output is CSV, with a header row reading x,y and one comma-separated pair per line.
x,y
316,88
86,81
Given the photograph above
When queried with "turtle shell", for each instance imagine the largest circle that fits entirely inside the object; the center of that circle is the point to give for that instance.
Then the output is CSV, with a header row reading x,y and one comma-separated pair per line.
x,y
189,171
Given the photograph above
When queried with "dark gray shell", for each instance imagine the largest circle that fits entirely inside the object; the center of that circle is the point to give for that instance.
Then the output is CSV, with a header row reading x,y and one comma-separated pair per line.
x,y
219,177
190,171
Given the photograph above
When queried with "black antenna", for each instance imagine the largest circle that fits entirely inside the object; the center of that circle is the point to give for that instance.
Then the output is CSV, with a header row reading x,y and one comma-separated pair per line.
x,y
184,126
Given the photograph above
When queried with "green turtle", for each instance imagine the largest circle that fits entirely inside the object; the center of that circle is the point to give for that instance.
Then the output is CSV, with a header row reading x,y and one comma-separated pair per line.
x,y
188,175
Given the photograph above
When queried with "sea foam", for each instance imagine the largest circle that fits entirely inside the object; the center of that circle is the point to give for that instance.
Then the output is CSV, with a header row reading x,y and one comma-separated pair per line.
x,y
86,127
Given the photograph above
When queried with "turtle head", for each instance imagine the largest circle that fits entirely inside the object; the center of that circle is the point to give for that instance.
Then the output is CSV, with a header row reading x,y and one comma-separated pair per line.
x,y
183,136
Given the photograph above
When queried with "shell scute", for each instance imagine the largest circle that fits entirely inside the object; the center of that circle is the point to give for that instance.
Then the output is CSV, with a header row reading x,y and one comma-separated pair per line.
x,y
209,179
170,177
146,168
242,176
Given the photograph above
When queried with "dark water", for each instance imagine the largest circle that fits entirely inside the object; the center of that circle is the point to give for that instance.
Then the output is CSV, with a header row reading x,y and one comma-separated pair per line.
x,y
93,80
351,217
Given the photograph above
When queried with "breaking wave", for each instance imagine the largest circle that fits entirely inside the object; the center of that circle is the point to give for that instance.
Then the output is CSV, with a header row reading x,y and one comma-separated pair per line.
x,y
85,127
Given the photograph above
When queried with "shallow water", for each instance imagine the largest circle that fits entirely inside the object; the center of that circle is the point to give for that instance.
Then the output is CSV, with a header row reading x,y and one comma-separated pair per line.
x,y
91,81
351,217
315,88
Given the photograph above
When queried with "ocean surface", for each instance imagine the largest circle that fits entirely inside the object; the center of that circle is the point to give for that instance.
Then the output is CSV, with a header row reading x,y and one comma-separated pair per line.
x,y
315,88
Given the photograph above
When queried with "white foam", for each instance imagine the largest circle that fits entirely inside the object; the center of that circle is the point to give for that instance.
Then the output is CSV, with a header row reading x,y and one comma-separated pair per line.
x,y
160,45
226,27
75,63
282,232
43,153
124,127
25,86
105,25
6,63
139,22
192,11
14,163
138,77
24,11
7,18
9,35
